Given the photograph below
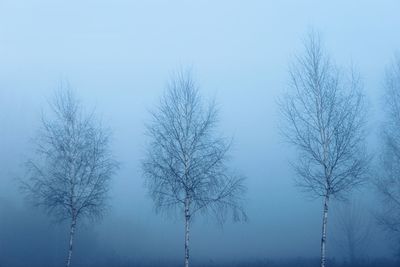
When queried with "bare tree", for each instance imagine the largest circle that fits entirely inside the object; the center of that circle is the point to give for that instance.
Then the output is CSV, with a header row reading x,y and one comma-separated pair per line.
x,y
70,173
388,184
324,119
185,167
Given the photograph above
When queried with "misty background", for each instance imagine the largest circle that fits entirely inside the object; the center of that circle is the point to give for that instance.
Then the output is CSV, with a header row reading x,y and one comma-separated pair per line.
x,y
119,55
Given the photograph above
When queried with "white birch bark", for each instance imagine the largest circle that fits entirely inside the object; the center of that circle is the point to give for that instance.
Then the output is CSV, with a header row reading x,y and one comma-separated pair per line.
x,y
71,240
324,227
187,227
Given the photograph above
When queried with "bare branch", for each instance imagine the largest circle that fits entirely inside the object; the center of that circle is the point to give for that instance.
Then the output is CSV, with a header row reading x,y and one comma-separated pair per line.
x,y
70,173
324,119
388,183
185,159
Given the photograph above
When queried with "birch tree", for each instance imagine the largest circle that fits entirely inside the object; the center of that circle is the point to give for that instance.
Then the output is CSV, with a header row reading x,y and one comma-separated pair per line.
x,y
70,173
388,184
324,119
186,163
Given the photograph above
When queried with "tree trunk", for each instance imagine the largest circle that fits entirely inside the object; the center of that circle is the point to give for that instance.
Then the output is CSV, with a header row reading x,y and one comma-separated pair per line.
x,y
71,239
187,222
324,225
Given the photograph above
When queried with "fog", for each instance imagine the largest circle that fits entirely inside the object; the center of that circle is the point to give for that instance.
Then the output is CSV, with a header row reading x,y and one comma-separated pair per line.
x,y
118,56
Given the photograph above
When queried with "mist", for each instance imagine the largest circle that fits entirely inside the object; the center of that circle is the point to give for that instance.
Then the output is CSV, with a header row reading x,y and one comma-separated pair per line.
x,y
118,56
